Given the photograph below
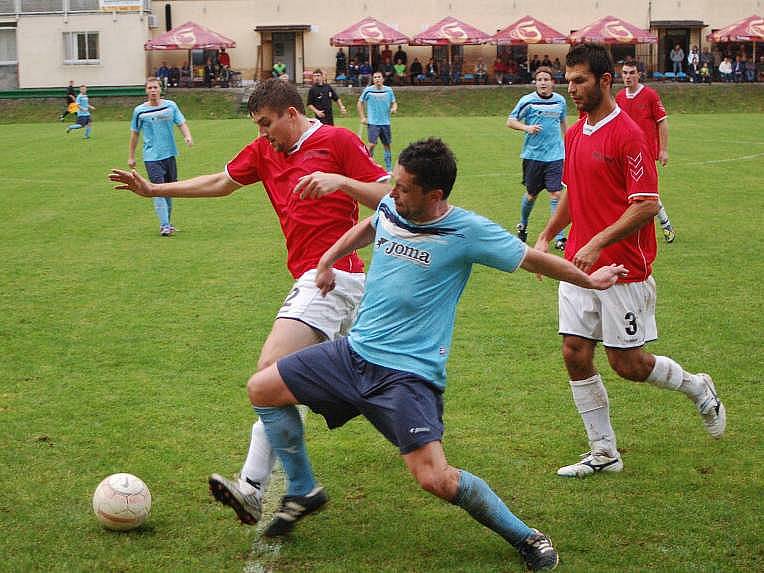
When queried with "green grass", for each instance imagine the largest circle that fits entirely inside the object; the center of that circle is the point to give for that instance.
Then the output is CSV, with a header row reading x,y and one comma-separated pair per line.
x,y
122,351
419,102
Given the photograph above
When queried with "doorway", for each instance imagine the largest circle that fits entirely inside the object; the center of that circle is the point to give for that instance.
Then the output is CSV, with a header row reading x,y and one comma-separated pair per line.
x,y
669,39
284,51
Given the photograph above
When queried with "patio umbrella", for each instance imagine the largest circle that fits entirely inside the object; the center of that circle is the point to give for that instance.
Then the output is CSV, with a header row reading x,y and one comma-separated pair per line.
x,y
450,31
612,30
189,36
368,31
749,29
528,30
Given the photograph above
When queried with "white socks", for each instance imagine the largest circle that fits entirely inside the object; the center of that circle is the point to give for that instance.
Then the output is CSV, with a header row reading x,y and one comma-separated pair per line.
x,y
260,460
670,375
592,403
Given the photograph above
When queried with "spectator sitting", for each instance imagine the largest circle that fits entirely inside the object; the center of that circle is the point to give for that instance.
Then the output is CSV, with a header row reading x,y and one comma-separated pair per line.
x,y
705,73
760,69
186,78
388,71
209,73
738,68
546,61
174,77
279,69
556,65
498,70
431,71
725,70
481,72
416,71
750,70
400,72
693,63
445,73
535,63
510,72
163,73
224,76
354,72
364,73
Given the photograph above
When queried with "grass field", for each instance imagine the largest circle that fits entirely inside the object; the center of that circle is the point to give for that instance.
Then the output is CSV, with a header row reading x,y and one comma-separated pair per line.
x,y
124,351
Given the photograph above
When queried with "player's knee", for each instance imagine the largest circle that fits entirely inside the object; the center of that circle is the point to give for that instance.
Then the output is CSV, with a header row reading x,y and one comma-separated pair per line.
x,y
258,389
437,482
629,366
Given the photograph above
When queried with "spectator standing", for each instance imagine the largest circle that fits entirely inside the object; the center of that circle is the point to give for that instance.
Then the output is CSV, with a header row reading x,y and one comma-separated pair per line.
x,y
693,63
677,57
163,73
209,73
364,73
340,63
320,97
279,69
401,55
498,70
223,58
156,118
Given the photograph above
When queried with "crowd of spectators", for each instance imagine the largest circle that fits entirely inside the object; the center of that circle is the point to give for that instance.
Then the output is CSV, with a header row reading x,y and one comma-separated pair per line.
x,y
216,71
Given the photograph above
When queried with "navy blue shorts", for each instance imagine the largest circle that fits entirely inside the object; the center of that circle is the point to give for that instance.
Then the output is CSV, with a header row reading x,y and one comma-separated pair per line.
x,y
539,175
334,381
162,171
83,120
382,132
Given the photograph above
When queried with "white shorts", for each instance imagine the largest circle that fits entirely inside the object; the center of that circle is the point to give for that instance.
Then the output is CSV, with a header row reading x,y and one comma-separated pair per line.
x,y
622,316
332,314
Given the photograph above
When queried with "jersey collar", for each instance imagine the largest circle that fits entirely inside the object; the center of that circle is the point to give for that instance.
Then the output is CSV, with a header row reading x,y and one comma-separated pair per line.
x,y
630,95
314,126
590,129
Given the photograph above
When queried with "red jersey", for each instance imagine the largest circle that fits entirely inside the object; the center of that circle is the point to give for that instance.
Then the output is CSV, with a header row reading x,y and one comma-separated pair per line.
x,y
310,226
646,109
608,166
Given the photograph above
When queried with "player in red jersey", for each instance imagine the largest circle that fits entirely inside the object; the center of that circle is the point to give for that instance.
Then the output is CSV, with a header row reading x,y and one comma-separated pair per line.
x,y
315,176
610,201
644,106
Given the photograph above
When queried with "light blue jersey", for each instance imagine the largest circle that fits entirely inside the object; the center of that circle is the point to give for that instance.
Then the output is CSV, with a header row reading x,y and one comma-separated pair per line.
x,y
378,102
547,145
83,105
157,122
417,275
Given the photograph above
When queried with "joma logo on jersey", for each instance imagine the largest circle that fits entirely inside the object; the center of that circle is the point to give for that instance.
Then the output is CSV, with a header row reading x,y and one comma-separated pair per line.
x,y
401,251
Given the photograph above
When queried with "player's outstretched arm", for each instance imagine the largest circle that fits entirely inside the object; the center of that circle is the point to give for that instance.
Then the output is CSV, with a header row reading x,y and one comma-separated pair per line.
x,y
214,185
318,184
562,270
556,223
355,238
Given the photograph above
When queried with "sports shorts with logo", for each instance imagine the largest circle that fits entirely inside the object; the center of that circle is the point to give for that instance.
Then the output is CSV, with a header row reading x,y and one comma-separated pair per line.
x,y
540,175
622,316
334,381
381,132
332,314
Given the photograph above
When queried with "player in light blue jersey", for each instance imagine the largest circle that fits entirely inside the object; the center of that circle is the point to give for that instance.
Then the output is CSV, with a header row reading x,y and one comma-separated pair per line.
x,y
83,112
375,105
391,367
156,118
542,117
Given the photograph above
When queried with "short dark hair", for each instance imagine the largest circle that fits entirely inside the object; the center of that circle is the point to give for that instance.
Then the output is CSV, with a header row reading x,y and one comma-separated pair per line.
x,y
631,64
596,56
432,164
275,95
544,70
318,71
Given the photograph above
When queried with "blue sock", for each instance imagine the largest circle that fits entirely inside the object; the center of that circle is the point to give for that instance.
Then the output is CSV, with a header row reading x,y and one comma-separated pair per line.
x,y
283,427
87,132
74,126
168,200
163,211
526,206
388,160
479,500
552,208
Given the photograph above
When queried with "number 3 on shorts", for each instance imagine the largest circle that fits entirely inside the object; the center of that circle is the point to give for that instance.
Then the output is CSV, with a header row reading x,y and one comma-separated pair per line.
x,y
631,323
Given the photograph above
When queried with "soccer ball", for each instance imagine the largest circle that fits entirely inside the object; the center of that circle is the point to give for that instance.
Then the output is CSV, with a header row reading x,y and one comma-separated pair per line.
x,y
122,502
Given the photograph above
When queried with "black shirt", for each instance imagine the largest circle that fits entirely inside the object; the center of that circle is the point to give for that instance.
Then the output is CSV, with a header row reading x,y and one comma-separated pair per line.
x,y
321,98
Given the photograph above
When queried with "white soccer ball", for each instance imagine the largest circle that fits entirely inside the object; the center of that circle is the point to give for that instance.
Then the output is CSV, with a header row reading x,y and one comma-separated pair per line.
x,y
122,502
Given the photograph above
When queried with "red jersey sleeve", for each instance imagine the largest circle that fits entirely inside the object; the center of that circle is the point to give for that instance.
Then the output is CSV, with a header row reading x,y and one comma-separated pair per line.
x,y
244,168
355,158
640,173
659,112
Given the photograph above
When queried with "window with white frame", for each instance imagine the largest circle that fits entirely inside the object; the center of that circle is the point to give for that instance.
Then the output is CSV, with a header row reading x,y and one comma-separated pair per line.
x,y
8,46
81,48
